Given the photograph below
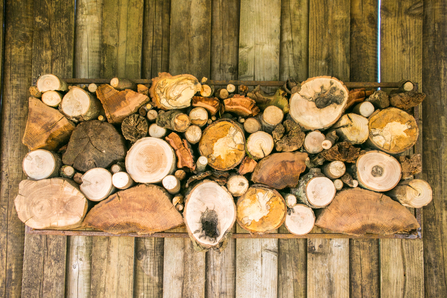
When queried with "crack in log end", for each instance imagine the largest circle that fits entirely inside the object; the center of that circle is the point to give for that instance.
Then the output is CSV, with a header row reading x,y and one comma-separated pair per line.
x,y
325,98
209,222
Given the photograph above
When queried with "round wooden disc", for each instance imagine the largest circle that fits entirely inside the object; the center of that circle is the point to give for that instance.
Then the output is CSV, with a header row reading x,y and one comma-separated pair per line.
x,y
273,115
416,193
313,142
260,144
39,164
300,220
48,82
121,180
223,143
378,171
320,191
352,128
261,209
149,160
76,102
51,98
96,184
392,130
237,185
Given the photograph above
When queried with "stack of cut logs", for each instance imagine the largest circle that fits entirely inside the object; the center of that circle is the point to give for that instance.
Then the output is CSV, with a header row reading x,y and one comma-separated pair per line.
x,y
124,158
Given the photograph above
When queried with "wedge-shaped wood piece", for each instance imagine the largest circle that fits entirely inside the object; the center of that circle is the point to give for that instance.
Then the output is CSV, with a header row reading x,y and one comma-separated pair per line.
x,y
241,105
182,150
46,128
280,170
173,92
55,203
358,211
143,209
119,104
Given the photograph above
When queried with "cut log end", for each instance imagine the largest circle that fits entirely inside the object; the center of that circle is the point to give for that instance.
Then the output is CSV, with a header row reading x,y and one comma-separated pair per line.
x,y
198,116
193,134
41,164
79,105
415,193
252,125
260,144
202,161
237,185
97,184
352,128
313,142
300,220
122,180
50,82
334,170
171,184
157,131
364,109
52,98
320,191
291,200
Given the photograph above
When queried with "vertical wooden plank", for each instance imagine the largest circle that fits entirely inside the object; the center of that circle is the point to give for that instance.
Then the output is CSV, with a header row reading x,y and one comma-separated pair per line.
x,y
45,256
17,79
401,57
259,47
329,51
190,42
292,256
79,262
2,36
364,254
220,273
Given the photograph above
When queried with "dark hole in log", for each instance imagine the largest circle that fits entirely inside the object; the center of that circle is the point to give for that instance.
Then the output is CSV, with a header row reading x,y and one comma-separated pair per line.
x,y
328,97
209,221
377,171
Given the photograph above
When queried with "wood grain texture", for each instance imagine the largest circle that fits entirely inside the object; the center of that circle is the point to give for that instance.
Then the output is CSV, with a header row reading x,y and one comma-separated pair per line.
x,y
434,155
401,57
16,81
78,266
149,268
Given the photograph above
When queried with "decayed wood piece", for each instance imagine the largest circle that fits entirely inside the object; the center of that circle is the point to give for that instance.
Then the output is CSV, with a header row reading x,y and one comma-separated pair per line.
x,y
94,144
280,170
50,82
342,151
174,120
260,144
209,214
223,143
54,203
252,125
392,130
121,212
364,108
171,184
80,105
157,131
52,98
357,96
261,209
119,104
211,104
406,100
349,181
182,150
314,189
414,193
271,117
67,171
358,211
264,100
41,164
241,106
288,136
330,139
193,134
411,165
248,165
134,127
300,219
379,99
334,169
97,184
378,171
319,103
243,90
46,127
173,92
122,180
237,185
352,128
198,116
313,142
121,84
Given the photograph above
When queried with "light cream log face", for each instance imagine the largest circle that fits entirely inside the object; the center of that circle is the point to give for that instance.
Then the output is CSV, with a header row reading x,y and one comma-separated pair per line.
x,y
300,220
39,164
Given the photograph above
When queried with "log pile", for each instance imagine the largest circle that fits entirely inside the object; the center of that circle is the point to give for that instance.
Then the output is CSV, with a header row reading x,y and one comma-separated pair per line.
x,y
151,158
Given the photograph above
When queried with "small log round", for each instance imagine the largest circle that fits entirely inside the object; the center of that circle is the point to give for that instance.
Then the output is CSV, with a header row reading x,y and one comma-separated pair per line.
x,y
243,89
77,178
134,127
121,84
202,161
180,174
378,171
67,171
80,105
174,120
41,164
261,209
152,115
411,165
97,184
379,99
338,184
52,98
271,117
178,199
157,131
349,181
179,207
206,91
221,93
171,184
122,180
392,130
237,185
334,169
149,160
329,140
50,82
260,144
300,220
364,109
315,190
313,142
231,88
101,118
252,125
92,87
352,128
414,193
291,200
198,116
193,134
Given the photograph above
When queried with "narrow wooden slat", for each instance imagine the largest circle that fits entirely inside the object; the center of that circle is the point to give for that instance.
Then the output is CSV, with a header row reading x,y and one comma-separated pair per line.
x,y
52,53
79,261
259,47
16,81
329,48
189,52
2,22
434,155
401,262
364,254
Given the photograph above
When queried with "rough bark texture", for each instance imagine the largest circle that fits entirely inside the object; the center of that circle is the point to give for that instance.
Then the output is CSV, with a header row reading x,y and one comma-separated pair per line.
x,y
182,150
343,151
411,165
134,127
406,100
288,136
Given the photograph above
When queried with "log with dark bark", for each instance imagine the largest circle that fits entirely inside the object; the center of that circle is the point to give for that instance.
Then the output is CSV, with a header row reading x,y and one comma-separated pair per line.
x,y
182,150
211,104
411,165
41,164
414,193
121,83
379,99
241,106
134,127
264,100
248,165
288,136
342,151
174,120
406,100
314,189
80,105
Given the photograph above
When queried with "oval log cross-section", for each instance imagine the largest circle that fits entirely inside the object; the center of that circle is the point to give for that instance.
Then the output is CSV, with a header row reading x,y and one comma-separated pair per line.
x,y
300,219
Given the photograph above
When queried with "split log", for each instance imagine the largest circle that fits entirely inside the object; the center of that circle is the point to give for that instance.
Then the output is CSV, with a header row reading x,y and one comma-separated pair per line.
x,y
314,189
291,200
97,184
280,170
237,185
223,143
271,117
41,164
338,184
50,82
152,115
193,134
94,144
342,151
206,90
92,88
243,90
411,165
122,212
358,212
157,131
53,203
392,130
180,174
252,125
211,104
231,88
319,103
313,142
202,161
264,100
67,172
80,105
119,104
46,128
173,92
364,109
288,136
182,150
406,100
349,181
377,171
248,165
414,193
334,169
122,180
34,92
174,120
209,215
352,128
356,96
77,178
198,116
171,184
52,98
121,84
221,93
379,99
134,127
260,144
330,139
241,106
261,210
300,220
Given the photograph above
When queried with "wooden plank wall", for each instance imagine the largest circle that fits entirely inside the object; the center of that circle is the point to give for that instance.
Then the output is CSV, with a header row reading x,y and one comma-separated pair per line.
x,y
218,39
